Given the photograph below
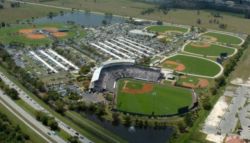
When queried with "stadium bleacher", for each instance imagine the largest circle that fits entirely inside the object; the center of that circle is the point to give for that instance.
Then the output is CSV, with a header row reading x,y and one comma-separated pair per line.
x,y
109,76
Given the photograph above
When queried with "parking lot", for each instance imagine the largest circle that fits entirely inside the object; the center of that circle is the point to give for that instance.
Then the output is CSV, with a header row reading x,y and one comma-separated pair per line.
x,y
230,115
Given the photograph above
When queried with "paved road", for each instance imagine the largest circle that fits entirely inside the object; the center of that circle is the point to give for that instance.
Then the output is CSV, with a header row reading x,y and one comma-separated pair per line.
x,y
24,121
30,119
25,97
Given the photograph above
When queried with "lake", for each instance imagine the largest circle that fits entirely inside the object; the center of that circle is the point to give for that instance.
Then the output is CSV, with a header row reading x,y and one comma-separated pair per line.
x,y
81,18
139,135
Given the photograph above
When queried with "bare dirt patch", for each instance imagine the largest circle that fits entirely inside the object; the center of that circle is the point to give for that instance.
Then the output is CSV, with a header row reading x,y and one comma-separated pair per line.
x,y
146,88
200,44
51,29
178,66
26,31
172,31
35,36
31,33
203,83
207,38
59,34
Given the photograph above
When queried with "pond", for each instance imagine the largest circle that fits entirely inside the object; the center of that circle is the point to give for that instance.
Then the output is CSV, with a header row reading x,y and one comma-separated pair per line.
x,y
138,135
81,18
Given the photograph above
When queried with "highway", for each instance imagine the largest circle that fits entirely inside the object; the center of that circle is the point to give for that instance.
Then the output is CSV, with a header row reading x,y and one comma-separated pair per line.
x,y
26,98
43,130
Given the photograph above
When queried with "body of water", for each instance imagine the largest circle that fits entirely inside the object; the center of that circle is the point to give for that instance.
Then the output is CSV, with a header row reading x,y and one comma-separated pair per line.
x,y
138,135
81,18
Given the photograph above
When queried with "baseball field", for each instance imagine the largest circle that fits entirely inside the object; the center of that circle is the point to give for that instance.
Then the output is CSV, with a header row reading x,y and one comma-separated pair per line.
x,y
222,38
166,28
149,98
207,49
192,65
31,35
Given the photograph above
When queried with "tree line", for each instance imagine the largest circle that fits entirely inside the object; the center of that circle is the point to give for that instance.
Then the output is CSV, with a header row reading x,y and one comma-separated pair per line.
x,y
11,133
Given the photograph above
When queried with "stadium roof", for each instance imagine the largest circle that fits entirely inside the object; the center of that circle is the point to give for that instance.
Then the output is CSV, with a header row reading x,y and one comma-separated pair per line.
x,y
118,61
142,33
97,72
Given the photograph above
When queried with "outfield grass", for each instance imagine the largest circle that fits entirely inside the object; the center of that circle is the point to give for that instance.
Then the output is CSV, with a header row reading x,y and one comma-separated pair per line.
x,y
195,65
163,100
212,50
166,28
34,137
11,34
223,38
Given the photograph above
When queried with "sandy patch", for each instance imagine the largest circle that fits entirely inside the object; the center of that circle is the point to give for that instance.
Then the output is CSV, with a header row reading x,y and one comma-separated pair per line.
x,y
29,33
59,34
178,66
234,139
203,83
51,29
207,38
26,31
172,31
35,36
146,88
200,44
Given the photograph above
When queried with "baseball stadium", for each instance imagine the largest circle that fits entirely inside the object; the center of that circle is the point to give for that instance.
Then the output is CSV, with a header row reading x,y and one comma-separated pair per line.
x,y
140,91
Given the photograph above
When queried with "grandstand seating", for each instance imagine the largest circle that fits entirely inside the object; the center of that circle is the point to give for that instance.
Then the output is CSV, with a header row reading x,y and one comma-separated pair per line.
x,y
109,76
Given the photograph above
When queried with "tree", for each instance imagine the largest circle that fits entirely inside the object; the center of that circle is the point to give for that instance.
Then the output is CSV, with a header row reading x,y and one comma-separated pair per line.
x,y
198,21
182,126
104,22
12,93
53,124
127,120
207,105
221,81
159,22
3,24
59,106
189,121
116,118
223,26
73,139
1,6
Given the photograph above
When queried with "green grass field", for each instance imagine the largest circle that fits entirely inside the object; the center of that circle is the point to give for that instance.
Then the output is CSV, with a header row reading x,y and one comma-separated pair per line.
x,y
25,11
11,34
222,38
163,99
194,65
166,28
212,50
